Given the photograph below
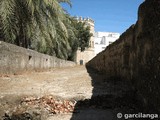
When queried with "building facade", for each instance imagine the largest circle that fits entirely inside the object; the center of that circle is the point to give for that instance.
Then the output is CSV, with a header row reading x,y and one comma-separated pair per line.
x,y
103,39
98,42
88,54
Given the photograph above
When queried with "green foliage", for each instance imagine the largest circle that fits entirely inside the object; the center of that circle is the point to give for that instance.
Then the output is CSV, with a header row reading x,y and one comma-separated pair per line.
x,y
42,25
84,35
79,36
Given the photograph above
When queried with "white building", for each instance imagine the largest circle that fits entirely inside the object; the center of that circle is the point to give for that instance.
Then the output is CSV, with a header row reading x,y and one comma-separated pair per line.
x,y
103,39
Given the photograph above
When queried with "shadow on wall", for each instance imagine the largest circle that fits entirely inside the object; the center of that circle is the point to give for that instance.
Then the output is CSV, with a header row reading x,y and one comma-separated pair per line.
x,y
109,97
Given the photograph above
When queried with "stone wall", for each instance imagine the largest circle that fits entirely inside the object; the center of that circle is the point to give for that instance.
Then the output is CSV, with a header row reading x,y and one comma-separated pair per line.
x,y
85,56
14,59
135,56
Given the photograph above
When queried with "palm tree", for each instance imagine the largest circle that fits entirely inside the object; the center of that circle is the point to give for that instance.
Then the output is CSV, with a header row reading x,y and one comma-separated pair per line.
x,y
71,24
42,25
37,24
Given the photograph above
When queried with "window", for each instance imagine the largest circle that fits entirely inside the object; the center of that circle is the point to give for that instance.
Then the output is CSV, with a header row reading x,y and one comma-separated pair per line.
x,y
110,35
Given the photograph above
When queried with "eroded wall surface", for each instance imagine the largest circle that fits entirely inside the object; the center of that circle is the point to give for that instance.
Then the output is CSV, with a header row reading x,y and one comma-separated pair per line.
x,y
135,56
14,59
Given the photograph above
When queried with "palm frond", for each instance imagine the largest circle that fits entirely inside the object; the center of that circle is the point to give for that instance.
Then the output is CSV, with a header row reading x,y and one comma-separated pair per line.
x,y
65,1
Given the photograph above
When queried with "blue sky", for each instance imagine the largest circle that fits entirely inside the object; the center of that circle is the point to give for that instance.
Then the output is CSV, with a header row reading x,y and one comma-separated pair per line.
x,y
109,15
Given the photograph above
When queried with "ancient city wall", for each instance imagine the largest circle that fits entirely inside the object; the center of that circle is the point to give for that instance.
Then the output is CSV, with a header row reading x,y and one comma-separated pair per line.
x,y
14,59
135,56
85,56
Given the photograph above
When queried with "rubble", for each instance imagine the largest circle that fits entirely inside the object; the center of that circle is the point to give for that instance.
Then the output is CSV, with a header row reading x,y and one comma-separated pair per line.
x,y
34,107
50,104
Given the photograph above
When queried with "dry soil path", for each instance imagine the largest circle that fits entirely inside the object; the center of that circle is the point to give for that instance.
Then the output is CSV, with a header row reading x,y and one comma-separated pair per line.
x,y
95,95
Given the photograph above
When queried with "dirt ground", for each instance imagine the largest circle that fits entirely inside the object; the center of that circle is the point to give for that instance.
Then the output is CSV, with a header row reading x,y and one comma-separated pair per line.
x,y
95,95
59,82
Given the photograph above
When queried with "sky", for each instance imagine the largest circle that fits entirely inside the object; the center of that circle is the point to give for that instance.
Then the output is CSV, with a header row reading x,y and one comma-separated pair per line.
x,y
109,15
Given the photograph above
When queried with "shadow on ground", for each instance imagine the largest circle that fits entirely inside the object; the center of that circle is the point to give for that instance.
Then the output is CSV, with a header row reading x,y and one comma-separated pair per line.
x,y
109,97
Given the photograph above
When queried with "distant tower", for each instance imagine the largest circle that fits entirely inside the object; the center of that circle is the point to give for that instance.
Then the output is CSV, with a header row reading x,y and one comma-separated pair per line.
x,y
84,56
90,23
